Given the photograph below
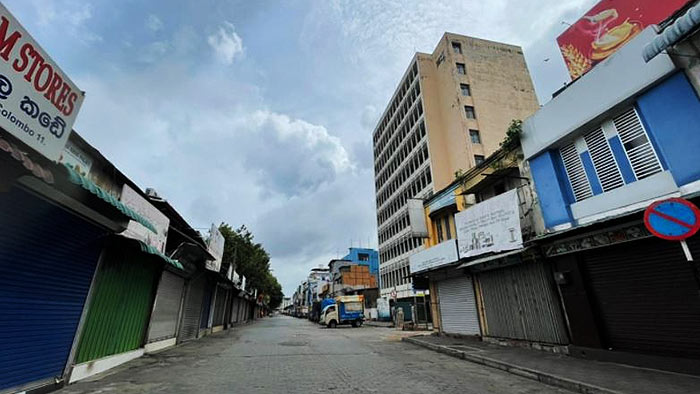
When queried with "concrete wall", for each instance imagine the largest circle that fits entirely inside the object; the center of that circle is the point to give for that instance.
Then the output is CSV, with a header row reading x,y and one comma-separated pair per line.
x,y
501,90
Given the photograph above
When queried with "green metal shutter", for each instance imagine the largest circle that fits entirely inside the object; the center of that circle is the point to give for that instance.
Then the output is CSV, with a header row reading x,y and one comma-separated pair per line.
x,y
120,307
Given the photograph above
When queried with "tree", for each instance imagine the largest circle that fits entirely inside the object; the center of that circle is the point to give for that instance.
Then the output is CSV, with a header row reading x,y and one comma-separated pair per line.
x,y
251,260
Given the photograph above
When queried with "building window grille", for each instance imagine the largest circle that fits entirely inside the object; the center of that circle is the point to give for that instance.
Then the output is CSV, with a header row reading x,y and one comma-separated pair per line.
x,y
575,172
635,141
603,160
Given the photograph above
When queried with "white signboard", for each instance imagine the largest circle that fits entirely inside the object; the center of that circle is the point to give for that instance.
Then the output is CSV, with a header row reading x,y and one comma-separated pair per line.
x,y
136,230
490,226
76,158
441,254
215,246
38,102
383,308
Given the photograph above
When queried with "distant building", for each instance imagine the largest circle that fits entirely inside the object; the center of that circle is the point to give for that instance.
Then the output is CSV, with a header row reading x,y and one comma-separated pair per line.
x,y
449,112
364,256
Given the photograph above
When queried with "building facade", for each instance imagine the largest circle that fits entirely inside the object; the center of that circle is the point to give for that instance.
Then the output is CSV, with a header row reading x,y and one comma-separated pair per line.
x,y
450,111
619,138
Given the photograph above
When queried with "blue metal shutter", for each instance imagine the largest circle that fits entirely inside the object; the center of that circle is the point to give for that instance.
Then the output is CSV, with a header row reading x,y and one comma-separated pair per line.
x,y
47,260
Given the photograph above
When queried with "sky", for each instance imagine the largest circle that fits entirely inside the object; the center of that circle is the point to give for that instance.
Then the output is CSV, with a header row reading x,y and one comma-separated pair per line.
x,y
261,112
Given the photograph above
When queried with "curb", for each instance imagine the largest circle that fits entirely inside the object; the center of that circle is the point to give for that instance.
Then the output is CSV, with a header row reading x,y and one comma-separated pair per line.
x,y
543,377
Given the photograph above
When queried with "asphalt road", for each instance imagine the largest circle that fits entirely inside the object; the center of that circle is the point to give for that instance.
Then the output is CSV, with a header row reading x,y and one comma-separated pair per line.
x,y
288,355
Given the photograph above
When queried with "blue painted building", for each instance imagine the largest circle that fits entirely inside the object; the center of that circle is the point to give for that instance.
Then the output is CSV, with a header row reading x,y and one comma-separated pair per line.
x,y
364,256
620,137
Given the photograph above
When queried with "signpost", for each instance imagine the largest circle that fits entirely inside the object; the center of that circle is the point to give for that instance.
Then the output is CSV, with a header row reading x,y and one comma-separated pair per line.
x,y
674,219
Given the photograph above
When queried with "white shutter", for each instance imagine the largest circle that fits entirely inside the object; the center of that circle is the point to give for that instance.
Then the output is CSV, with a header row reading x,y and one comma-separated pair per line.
x,y
458,306
603,160
636,143
576,173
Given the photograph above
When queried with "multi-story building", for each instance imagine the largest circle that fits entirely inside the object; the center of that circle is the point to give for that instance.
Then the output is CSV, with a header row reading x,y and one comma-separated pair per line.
x,y
450,111
365,256
620,138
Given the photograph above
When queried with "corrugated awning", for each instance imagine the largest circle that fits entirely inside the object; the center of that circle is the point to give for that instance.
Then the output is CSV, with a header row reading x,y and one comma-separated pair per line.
x,y
673,33
150,249
492,257
90,186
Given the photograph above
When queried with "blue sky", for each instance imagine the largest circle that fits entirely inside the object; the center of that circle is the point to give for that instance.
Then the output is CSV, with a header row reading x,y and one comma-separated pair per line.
x,y
261,112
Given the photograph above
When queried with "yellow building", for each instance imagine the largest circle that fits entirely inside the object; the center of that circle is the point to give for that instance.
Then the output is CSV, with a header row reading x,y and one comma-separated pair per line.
x,y
450,111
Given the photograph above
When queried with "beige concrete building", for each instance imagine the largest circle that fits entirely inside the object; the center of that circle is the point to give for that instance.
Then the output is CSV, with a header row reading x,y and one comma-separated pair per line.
x,y
449,112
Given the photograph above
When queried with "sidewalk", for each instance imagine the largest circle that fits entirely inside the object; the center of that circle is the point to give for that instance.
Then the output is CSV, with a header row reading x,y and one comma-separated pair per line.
x,y
375,323
578,375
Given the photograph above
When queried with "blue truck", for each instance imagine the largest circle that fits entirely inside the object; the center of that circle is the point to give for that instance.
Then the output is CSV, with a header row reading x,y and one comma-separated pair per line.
x,y
342,310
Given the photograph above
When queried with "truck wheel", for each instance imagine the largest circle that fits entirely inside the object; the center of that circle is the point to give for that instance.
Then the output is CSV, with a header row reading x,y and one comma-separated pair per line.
x,y
332,324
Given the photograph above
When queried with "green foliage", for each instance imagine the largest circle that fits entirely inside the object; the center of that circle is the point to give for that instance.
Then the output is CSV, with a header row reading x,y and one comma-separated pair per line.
x,y
512,138
252,261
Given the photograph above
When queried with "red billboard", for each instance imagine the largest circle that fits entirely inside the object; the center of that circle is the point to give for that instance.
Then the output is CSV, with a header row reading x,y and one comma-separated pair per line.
x,y
608,26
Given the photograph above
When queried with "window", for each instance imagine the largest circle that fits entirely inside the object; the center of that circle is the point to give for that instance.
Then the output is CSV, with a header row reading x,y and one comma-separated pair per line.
x,y
478,159
639,150
457,47
448,230
606,168
469,111
465,89
603,160
499,188
363,256
438,227
461,69
474,136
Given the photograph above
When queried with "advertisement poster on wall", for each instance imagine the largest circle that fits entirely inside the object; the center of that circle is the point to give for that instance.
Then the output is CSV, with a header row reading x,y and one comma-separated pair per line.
x,y
490,226
38,102
606,27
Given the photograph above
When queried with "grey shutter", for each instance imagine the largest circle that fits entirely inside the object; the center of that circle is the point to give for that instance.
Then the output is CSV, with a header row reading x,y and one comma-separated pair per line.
x,y
167,307
458,306
193,307
521,302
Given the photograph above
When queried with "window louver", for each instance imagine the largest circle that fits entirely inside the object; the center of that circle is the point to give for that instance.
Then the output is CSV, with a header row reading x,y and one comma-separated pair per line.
x,y
576,173
634,139
603,160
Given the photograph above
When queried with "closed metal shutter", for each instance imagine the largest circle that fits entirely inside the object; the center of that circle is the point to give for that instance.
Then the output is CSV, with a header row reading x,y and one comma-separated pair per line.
x,y
647,297
47,260
520,302
193,308
167,307
235,302
458,306
206,304
220,305
120,305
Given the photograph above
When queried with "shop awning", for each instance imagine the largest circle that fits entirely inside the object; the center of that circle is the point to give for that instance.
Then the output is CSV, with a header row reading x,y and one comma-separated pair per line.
x,y
674,33
90,186
492,257
150,249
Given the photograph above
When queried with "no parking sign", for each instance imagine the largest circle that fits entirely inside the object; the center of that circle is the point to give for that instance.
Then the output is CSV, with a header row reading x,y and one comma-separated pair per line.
x,y
674,219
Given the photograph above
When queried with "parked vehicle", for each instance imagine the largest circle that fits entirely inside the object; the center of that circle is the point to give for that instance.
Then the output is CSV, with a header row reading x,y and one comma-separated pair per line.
x,y
345,310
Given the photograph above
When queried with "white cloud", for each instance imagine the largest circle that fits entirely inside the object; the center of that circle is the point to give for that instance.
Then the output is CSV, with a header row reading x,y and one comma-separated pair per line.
x,y
227,44
291,156
154,23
